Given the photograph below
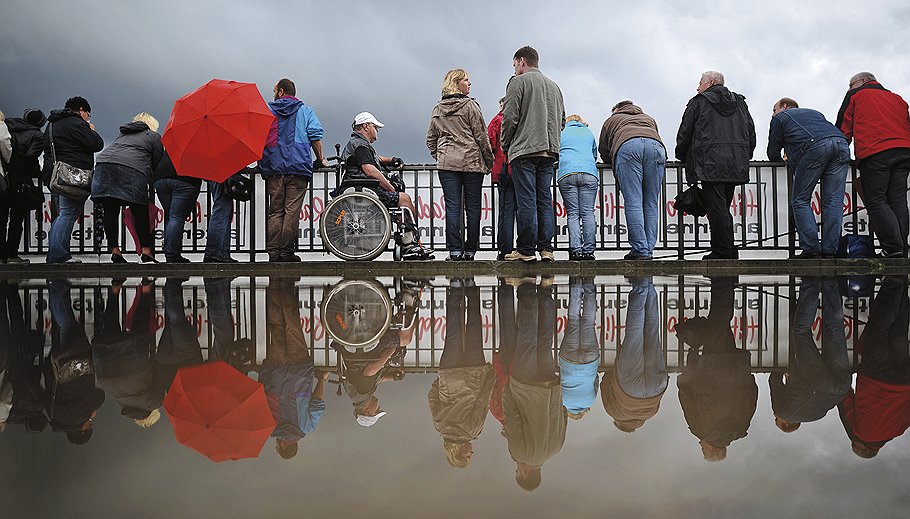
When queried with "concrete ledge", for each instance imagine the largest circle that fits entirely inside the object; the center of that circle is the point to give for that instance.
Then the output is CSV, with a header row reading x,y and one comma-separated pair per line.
x,y
432,268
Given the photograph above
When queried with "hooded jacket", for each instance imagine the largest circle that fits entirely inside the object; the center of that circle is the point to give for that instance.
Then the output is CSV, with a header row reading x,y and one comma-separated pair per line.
x,y
876,118
716,137
533,115
458,401
577,150
75,142
494,134
287,147
535,421
627,122
137,147
6,147
27,143
457,136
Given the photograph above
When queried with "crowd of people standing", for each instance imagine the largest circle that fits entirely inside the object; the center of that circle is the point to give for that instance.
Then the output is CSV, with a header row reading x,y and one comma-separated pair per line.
x,y
524,146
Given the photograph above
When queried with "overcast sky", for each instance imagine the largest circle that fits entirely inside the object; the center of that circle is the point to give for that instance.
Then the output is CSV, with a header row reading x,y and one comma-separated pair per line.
x,y
390,57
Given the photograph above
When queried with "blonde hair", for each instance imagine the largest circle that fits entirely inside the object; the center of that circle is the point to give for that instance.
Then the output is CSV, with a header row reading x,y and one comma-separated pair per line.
x,y
2,117
577,118
145,117
152,418
450,82
453,454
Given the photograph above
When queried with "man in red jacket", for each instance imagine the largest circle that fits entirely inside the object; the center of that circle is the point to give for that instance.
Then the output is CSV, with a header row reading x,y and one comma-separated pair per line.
x,y
879,123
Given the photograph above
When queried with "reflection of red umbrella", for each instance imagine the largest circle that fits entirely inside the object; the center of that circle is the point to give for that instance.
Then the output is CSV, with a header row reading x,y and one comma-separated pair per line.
x,y
217,129
219,412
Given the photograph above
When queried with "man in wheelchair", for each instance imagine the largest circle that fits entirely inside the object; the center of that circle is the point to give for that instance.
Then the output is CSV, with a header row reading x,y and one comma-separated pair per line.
x,y
361,161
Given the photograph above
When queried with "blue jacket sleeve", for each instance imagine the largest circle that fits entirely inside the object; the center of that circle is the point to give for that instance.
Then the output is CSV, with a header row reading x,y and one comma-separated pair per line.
x,y
775,140
308,128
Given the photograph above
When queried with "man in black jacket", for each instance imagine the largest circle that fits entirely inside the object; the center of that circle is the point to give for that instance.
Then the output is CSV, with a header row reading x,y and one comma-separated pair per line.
x,y
28,143
716,139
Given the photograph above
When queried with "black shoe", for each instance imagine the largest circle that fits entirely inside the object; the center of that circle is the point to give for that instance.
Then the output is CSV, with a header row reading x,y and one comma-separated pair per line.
x,y
118,258
573,256
178,259
718,256
458,257
807,255
415,252
636,256
145,258
213,259
588,256
467,258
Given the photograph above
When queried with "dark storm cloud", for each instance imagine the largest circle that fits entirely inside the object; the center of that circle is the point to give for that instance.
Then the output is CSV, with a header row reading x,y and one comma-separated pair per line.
x,y
389,57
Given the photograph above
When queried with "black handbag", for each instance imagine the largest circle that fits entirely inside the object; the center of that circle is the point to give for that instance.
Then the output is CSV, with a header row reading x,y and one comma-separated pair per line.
x,y
27,197
239,187
690,202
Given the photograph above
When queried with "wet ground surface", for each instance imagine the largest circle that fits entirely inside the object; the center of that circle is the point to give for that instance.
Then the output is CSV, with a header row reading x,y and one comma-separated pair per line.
x,y
637,396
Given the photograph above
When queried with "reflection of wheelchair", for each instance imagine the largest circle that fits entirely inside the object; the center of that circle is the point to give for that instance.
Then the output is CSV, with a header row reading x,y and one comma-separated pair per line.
x,y
356,224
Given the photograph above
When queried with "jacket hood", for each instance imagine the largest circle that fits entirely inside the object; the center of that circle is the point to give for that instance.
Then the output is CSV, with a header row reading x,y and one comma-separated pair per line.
x,y
56,115
18,124
286,106
134,127
629,110
451,104
575,123
722,99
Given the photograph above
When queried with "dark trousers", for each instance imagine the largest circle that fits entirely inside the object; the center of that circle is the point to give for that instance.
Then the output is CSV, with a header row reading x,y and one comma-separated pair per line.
x,y
11,223
533,178
505,231
534,361
884,343
461,192
717,197
464,341
111,222
884,177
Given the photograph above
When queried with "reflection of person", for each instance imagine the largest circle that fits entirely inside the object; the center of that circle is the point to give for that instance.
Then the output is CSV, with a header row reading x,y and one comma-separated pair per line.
x,y
717,391
502,177
457,139
23,376
72,400
295,397
364,371
535,419
815,382
179,342
503,357
461,392
579,352
124,357
632,393
879,410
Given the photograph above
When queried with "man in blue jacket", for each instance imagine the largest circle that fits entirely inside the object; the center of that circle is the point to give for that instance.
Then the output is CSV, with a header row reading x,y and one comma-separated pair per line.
x,y
287,165
816,150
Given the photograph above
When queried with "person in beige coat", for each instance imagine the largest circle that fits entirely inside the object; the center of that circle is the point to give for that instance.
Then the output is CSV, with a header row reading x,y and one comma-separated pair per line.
x,y
457,139
460,395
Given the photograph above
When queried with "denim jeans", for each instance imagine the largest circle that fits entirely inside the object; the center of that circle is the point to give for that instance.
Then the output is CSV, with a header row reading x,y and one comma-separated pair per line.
x,y
218,304
533,179
505,231
828,160
218,232
640,166
178,200
579,192
534,362
641,369
884,177
58,240
461,192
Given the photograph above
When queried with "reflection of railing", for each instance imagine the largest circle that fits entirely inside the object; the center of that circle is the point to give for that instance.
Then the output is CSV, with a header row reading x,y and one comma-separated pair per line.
x,y
760,325
760,208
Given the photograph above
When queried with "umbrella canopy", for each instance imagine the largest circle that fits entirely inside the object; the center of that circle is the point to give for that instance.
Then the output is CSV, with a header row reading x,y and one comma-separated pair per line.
x,y
219,412
216,130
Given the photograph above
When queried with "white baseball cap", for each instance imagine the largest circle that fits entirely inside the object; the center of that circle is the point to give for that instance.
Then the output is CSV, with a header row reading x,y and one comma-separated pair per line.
x,y
366,117
370,421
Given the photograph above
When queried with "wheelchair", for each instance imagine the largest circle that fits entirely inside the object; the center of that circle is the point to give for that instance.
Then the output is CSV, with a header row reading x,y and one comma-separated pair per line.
x,y
356,225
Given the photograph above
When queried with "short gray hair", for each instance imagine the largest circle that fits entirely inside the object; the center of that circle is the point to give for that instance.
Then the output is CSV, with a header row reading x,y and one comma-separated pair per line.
x,y
715,76
863,76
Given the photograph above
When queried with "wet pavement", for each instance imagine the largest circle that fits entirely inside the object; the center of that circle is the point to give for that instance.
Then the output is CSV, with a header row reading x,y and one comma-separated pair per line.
x,y
467,396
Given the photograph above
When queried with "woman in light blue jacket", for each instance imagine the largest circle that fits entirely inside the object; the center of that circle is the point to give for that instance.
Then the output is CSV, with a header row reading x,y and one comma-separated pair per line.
x,y
578,182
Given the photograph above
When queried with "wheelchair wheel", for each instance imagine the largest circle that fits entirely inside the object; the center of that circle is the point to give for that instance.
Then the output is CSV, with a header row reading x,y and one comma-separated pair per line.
x,y
356,313
356,226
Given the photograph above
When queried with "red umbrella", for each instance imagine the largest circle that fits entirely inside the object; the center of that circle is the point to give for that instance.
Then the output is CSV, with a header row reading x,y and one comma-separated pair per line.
x,y
217,129
219,412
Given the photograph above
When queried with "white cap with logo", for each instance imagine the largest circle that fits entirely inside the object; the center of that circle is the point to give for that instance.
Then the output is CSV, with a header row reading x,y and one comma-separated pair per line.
x,y
366,117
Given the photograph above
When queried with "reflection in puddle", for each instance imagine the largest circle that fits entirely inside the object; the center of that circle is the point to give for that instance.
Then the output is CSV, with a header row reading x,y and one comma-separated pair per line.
x,y
247,367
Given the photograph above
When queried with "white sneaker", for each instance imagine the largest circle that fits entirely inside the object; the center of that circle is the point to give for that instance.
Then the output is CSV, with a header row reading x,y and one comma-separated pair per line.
x,y
72,261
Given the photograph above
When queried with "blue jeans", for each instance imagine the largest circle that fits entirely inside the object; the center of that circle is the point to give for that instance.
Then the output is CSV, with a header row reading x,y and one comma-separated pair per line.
x,y
533,179
58,240
828,160
640,166
461,192
177,199
579,192
218,233
640,367
505,231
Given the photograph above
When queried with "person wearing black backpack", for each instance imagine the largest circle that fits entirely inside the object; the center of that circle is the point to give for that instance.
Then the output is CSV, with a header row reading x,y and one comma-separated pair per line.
x,y
21,196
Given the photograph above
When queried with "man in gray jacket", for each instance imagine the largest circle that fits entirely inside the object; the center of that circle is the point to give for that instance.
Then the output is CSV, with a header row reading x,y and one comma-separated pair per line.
x,y
533,116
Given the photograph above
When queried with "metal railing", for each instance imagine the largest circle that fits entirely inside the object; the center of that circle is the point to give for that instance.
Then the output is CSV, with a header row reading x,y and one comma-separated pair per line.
x,y
761,210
